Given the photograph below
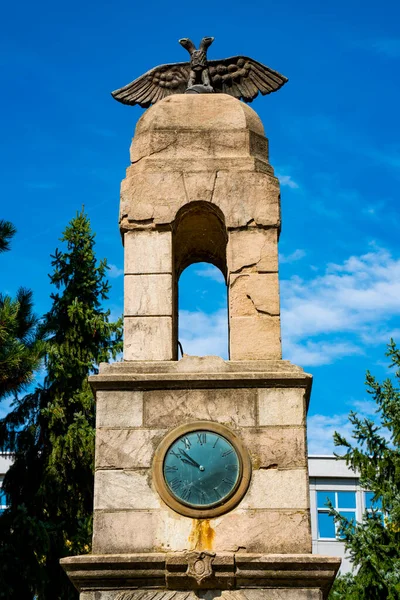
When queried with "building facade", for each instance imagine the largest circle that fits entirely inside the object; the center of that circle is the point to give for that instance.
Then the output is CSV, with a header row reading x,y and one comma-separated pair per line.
x,y
332,479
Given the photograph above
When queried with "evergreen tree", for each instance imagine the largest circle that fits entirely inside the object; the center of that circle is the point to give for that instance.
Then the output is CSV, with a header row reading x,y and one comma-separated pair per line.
x,y
20,348
51,430
374,544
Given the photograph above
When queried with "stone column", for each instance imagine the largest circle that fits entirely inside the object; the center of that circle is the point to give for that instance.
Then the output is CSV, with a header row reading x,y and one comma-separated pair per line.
x,y
148,297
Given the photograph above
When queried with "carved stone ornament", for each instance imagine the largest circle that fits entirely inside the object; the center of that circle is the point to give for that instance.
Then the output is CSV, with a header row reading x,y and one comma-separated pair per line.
x,y
239,76
199,565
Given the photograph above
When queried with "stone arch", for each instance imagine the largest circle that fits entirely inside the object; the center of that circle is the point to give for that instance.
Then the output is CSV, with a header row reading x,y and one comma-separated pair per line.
x,y
199,234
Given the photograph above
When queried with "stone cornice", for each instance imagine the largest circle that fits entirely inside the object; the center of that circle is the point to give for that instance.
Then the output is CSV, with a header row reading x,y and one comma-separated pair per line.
x,y
182,571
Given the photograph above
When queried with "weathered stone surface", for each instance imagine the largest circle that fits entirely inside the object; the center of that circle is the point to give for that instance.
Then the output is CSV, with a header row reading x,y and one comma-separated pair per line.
x,y
254,294
262,370
144,576
157,196
148,338
148,295
200,112
199,186
255,338
126,448
152,196
273,488
261,194
276,447
148,252
119,409
140,531
281,406
165,144
169,408
269,531
266,531
124,490
200,569
281,594
253,249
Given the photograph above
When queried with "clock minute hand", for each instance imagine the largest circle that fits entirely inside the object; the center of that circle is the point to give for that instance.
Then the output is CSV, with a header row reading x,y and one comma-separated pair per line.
x,y
189,462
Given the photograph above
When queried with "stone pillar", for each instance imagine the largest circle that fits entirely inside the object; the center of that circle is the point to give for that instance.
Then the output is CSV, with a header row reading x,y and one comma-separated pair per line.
x,y
254,320
148,296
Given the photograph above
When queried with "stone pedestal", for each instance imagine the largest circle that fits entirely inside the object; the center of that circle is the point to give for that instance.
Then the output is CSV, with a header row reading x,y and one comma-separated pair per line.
x,y
200,188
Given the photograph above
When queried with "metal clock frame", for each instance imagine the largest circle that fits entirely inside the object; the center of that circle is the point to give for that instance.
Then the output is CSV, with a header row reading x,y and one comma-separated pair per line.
x,y
227,503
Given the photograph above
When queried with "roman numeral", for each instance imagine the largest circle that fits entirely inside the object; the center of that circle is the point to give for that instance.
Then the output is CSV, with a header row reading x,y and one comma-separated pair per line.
x,y
176,454
187,443
216,442
186,493
169,469
201,438
227,452
228,481
203,498
231,467
175,483
217,493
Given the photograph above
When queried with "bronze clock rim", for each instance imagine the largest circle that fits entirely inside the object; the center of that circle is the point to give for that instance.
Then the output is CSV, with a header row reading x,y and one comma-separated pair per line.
x,y
236,494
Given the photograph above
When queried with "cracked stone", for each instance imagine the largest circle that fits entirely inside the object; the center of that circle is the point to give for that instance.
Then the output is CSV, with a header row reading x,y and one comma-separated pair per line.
x,y
252,294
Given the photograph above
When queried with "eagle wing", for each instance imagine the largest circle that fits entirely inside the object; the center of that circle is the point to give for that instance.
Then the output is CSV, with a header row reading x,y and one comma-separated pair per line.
x,y
155,85
243,77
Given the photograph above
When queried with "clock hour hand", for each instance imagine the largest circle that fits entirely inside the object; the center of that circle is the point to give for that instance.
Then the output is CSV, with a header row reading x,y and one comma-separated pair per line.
x,y
189,459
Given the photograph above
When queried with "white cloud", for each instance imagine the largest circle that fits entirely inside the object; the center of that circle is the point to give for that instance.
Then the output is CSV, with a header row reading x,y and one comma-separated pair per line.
x,y
358,297
211,272
315,354
203,334
286,180
293,257
320,430
114,271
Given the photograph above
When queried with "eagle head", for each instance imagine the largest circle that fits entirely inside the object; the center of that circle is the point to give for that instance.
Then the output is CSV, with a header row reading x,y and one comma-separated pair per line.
x,y
206,42
186,43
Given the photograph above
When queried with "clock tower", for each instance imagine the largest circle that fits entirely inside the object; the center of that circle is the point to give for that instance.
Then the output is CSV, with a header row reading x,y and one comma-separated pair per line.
x,y
201,482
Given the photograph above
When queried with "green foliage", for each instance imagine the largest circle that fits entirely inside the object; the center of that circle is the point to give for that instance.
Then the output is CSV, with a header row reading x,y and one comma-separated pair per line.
x,y
21,349
374,544
51,430
7,231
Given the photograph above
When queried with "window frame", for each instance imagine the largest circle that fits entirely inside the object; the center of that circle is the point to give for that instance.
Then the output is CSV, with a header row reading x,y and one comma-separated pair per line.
x,y
337,507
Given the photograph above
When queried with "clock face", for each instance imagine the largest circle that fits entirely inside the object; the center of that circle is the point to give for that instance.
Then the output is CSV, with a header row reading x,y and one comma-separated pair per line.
x,y
201,469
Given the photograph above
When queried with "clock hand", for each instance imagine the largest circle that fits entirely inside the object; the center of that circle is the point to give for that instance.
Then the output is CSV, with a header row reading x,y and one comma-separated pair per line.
x,y
196,464
189,462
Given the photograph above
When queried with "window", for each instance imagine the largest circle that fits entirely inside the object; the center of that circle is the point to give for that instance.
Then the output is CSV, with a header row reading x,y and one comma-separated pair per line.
x,y
369,501
3,500
343,502
373,506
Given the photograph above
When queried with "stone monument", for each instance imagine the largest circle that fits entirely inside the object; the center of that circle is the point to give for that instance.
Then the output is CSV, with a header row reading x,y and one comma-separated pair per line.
x,y
201,482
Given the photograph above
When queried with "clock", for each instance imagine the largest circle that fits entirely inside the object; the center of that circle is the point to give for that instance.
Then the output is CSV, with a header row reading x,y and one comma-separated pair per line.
x,y
202,469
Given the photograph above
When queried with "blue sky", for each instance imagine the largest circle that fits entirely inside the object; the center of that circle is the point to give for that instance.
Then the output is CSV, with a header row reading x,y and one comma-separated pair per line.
x,y
334,143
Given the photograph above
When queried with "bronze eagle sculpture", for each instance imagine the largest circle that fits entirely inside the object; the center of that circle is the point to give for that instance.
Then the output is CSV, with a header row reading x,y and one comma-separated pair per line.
x,y
239,76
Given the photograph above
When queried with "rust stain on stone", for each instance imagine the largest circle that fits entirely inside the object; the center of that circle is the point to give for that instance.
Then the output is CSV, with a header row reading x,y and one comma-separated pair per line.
x,y
202,535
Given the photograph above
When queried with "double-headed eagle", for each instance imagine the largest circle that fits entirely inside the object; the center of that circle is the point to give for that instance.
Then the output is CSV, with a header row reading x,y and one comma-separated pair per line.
x,y
239,76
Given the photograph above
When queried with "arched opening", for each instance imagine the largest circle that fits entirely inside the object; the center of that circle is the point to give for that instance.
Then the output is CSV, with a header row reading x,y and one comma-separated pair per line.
x,y
200,236
203,315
